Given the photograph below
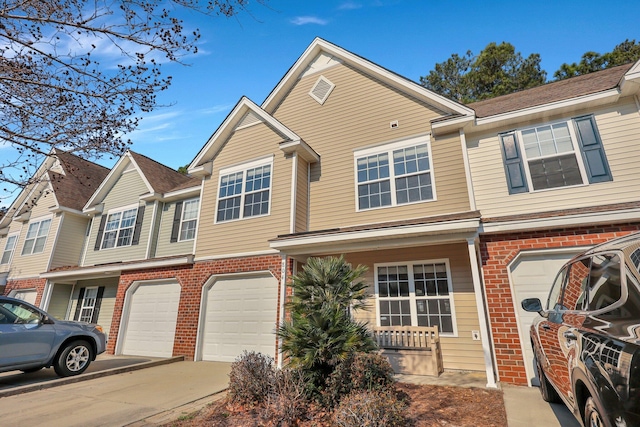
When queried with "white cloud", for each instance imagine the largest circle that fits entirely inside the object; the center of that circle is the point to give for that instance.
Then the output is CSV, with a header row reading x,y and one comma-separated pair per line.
x,y
222,108
304,20
349,5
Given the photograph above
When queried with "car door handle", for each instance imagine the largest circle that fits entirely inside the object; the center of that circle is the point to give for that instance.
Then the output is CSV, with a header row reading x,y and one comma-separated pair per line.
x,y
570,335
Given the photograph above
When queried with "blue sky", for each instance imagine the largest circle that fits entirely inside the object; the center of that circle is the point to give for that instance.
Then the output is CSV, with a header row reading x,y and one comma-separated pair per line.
x,y
248,54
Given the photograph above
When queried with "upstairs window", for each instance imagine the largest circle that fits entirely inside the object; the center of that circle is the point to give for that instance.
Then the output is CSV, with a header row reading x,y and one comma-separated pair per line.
x,y
9,247
119,229
36,237
554,155
394,175
185,220
244,192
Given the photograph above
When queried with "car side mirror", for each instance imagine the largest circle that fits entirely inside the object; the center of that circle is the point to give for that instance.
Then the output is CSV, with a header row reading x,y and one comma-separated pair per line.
x,y
532,305
46,320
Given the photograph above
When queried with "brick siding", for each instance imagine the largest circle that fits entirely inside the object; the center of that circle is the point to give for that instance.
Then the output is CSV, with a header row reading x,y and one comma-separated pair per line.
x,y
497,251
33,283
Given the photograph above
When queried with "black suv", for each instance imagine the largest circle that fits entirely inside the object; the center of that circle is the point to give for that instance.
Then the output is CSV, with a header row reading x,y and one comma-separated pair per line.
x,y
587,338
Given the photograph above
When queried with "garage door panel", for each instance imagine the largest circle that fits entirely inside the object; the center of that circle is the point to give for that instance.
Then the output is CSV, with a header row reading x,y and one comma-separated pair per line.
x,y
151,325
532,277
240,315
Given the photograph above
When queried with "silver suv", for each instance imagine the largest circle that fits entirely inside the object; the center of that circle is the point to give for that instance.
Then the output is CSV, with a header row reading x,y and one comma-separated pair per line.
x,y
30,340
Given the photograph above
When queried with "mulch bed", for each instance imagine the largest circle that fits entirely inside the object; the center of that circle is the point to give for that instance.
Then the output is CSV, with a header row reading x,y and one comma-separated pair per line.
x,y
428,406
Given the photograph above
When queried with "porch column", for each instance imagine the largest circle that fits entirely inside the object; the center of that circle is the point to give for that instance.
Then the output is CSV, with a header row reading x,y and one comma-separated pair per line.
x,y
482,314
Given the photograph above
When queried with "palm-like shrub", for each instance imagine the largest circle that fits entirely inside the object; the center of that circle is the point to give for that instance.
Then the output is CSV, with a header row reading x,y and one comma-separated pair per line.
x,y
321,332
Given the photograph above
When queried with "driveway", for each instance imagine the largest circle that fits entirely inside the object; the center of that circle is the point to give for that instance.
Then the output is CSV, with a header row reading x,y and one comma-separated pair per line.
x,y
119,400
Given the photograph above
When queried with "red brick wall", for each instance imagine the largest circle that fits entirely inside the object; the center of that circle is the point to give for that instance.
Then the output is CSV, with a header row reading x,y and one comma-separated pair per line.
x,y
34,283
191,278
497,251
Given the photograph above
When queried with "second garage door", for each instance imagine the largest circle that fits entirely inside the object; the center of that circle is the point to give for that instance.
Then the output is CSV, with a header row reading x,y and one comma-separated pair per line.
x,y
150,327
240,314
532,277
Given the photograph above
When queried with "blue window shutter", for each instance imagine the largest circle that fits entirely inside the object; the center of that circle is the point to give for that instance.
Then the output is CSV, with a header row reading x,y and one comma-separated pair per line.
x,y
595,160
513,164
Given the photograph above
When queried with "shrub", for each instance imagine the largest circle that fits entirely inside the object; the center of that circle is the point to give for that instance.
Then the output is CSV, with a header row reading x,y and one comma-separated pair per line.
x,y
288,401
359,372
370,409
251,379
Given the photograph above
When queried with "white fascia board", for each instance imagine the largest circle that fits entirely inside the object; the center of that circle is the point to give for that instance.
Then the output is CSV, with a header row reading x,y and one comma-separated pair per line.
x,y
318,45
563,221
201,171
610,95
182,194
142,175
339,239
221,134
451,125
236,255
109,181
302,148
116,269
56,209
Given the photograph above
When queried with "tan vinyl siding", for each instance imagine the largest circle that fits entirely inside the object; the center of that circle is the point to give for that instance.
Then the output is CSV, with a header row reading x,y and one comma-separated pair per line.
x,y
108,300
250,234
357,115
125,192
619,126
31,265
302,196
60,299
164,245
460,352
70,241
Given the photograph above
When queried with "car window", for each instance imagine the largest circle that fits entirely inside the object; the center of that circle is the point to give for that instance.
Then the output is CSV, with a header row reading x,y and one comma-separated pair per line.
x,y
19,313
575,291
605,283
554,302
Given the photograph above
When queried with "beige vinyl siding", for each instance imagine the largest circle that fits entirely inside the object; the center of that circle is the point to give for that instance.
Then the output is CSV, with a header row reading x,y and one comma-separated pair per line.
x,y
619,126
60,299
24,266
164,246
250,234
108,300
125,192
70,241
302,196
357,115
460,352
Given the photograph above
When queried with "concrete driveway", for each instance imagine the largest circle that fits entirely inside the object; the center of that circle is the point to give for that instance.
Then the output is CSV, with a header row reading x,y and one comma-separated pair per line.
x,y
123,399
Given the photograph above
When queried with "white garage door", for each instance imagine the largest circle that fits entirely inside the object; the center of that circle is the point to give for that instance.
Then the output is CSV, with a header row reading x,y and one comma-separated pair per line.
x,y
26,295
532,277
240,315
151,325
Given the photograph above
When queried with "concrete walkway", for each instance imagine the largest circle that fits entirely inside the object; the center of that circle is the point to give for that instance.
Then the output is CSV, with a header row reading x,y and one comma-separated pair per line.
x,y
137,398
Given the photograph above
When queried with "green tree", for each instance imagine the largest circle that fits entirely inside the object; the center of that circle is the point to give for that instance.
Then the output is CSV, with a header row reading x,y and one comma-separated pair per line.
x,y
623,53
76,75
321,332
497,70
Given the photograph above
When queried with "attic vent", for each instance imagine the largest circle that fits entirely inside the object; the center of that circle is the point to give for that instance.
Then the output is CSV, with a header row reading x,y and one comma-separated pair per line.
x,y
321,90
249,119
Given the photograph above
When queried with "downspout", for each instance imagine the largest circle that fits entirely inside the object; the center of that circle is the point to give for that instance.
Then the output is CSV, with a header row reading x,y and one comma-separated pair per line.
x,y
283,296
482,314
467,170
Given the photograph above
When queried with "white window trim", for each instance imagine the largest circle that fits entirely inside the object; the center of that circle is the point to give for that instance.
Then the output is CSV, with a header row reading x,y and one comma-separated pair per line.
x,y
114,211
36,221
576,151
244,167
412,293
389,148
92,307
197,218
13,250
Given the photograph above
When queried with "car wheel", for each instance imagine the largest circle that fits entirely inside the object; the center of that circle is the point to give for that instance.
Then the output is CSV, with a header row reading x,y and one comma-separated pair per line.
x,y
74,359
593,415
549,394
31,370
